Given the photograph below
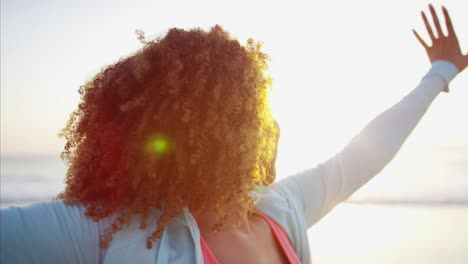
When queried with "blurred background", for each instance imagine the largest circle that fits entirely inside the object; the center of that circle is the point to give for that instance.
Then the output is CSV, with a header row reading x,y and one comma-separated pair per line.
x,y
336,65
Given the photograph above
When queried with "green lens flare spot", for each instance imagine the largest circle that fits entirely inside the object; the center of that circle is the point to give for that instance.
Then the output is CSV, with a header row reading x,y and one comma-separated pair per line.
x,y
160,145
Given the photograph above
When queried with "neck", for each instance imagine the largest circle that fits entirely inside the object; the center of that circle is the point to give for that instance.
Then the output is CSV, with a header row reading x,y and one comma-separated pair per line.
x,y
235,220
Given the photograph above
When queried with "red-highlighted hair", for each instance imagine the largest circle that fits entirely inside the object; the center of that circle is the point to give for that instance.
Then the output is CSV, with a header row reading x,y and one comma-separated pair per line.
x,y
183,122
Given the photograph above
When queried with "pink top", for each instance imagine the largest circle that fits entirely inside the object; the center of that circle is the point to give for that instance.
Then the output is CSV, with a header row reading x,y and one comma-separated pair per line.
x,y
280,235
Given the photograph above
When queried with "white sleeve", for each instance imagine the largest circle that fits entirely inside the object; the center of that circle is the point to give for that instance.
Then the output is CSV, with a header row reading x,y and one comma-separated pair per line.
x,y
319,189
49,232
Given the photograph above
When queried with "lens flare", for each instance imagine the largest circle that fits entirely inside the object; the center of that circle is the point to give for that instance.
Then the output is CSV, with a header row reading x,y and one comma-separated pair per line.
x,y
158,145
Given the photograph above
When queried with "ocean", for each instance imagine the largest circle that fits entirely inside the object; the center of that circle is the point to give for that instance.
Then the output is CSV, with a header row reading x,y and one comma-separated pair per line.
x,y
415,211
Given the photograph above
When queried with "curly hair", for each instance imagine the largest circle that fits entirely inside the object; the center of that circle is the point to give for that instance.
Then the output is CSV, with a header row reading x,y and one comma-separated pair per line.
x,y
183,122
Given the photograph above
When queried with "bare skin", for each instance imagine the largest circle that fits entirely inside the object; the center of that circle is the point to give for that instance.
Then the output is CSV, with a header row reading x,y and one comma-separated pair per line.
x,y
443,47
253,241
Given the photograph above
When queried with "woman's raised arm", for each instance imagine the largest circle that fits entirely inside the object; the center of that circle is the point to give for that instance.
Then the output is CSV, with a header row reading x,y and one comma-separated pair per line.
x,y
320,189
49,232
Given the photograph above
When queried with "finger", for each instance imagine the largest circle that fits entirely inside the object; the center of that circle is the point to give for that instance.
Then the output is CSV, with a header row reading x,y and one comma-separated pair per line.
x,y
436,21
428,27
448,22
420,39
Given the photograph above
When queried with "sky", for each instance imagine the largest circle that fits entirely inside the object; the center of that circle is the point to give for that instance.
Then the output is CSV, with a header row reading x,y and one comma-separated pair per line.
x,y
335,64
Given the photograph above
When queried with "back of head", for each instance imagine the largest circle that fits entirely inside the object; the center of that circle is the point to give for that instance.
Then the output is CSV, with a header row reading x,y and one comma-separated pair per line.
x,y
184,122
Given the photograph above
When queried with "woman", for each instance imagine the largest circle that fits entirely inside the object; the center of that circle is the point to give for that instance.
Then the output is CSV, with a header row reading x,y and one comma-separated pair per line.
x,y
172,154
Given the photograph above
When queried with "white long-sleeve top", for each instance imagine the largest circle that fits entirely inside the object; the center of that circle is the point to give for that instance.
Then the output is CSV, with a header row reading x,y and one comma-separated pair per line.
x,y
323,187
53,232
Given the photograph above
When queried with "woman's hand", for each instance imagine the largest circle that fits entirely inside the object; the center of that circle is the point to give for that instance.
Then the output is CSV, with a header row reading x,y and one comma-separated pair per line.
x,y
443,47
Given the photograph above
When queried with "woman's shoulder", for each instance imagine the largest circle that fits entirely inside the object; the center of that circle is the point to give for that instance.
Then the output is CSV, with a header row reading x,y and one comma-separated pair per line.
x,y
278,194
279,201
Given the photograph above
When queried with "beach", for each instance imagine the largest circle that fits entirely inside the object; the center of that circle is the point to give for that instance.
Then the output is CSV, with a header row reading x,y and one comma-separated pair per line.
x,y
404,234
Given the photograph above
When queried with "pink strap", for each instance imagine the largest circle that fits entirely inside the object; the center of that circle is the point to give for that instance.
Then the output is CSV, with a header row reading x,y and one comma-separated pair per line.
x,y
208,256
282,238
280,234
